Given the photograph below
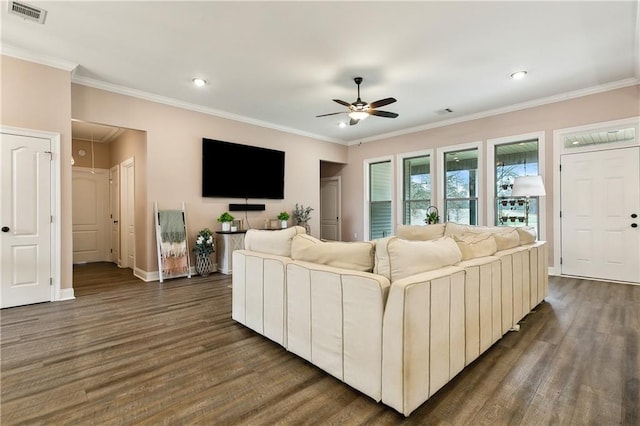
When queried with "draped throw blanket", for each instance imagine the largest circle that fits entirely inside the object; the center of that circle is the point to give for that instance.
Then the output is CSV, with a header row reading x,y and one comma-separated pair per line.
x,y
173,244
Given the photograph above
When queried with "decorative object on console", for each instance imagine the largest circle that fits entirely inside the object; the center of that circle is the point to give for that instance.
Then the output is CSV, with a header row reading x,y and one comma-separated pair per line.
x,y
528,186
302,215
203,249
225,219
283,217
432,215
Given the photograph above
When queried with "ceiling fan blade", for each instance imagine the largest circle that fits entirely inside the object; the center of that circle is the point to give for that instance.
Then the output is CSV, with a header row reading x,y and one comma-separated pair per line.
x,y
347,104
331,113
383,113
353,122
382,102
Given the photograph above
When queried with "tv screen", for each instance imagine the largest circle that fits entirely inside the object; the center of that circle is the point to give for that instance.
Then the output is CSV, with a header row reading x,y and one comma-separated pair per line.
x,y
231,170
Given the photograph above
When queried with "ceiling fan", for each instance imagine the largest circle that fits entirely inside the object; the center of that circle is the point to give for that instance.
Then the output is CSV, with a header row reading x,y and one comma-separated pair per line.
x,y
359,110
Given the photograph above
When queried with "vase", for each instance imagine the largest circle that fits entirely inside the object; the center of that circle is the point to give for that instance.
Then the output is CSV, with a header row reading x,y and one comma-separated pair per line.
x,y
203,264
283,224
305,225
226,226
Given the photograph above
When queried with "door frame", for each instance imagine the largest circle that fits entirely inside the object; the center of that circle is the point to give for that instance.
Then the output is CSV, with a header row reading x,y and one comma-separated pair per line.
x,y
55,209
559,150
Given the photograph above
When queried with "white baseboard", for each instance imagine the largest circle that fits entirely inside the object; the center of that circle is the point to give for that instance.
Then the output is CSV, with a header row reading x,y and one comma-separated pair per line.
x,y
155,276
66,294
553,271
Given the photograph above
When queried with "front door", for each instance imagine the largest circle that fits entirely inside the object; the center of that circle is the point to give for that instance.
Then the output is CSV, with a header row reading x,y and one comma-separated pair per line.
x,y
600,193
25,218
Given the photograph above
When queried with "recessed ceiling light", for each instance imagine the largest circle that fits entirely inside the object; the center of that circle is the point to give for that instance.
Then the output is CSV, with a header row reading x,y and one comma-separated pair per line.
x,y
342,124
199,82
518,75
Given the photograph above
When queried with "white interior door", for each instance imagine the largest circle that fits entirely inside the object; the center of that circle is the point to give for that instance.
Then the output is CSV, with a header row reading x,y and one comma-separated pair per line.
x,y
600,192
90,221
114,213
127,214
25,218
330,208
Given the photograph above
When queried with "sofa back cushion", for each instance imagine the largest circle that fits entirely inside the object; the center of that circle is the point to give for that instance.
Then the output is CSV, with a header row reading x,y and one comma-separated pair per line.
x,y
527,234
272,242
420,232
506,237
357,256
474,245
397,258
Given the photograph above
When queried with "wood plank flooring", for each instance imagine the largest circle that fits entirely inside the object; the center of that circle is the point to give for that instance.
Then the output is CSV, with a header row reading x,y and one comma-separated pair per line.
x,y
126,352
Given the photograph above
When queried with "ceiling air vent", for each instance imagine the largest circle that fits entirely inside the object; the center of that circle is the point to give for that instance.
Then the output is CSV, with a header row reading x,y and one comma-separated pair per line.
x,y
28,12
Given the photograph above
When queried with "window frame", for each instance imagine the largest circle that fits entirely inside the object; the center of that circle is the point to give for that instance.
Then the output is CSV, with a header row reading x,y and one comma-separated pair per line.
x,y
367,194
441,181
491,181
400,179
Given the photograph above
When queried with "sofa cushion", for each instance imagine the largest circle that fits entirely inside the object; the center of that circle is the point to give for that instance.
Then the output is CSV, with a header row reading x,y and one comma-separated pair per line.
x,y
405,257
507,240
357,256
420,232
276,242
527,234
452,228
474,245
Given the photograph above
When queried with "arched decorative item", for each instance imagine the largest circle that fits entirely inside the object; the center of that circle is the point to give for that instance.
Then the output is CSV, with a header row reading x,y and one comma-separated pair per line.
x,y
432,215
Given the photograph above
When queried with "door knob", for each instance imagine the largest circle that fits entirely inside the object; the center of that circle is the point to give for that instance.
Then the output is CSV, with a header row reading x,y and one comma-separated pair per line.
x,y
633,225
633,215
5,229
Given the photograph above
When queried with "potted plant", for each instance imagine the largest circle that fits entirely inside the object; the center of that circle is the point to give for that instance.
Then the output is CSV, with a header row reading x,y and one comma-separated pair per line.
x,y
203,249
226,219
283,217
432,216
302,215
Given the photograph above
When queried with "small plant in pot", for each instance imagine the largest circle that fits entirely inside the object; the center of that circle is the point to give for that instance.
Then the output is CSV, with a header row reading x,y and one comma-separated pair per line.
x,y
204,247
283,217
432,216
225,219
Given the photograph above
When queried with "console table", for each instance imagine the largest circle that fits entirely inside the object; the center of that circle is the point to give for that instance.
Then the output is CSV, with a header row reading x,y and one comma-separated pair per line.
x,y
226,243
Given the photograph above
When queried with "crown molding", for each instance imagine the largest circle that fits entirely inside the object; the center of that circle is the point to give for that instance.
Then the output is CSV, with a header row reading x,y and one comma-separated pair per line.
x,y
511,108
97,84
26,55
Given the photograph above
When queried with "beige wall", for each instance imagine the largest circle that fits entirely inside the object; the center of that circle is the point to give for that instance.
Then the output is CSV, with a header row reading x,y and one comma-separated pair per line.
x,y
607,106
133,144
173,161
38,97
101,154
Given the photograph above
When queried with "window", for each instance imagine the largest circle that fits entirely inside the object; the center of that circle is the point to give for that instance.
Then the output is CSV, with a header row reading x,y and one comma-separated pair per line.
x,y
380,201
512,160
461,186
416,189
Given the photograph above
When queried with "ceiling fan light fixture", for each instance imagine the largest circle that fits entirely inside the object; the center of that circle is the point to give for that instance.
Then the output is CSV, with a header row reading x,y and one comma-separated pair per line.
x,y
518,75
358,115
199,82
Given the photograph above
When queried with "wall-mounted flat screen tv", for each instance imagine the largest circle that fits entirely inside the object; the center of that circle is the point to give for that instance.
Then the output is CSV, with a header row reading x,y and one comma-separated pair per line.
x,y
231,170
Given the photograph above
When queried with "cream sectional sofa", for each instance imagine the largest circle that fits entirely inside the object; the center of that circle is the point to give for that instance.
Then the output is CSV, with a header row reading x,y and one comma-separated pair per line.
x,y
396,318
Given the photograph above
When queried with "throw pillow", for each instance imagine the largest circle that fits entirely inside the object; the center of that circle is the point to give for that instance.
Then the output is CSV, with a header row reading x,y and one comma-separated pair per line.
x,y
357,256
507,240
474,245
527,234
420,232
408,258
453,228
272,242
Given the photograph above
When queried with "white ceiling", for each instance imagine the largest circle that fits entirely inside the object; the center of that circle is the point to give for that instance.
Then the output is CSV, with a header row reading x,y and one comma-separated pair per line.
x,y
279,64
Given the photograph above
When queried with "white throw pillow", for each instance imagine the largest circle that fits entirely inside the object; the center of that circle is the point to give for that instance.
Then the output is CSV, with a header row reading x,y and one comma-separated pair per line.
x,y
474,245
357,256
408,258
453,228
272,242
507,240
527,234
420,232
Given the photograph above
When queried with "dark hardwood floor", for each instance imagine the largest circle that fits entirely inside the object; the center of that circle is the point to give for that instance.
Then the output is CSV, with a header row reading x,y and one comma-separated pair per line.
x,y
128,352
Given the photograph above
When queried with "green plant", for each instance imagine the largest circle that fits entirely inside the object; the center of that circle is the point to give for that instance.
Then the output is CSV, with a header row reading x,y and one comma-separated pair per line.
x,y
432,216
283,216
302,214
225,217
204,243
